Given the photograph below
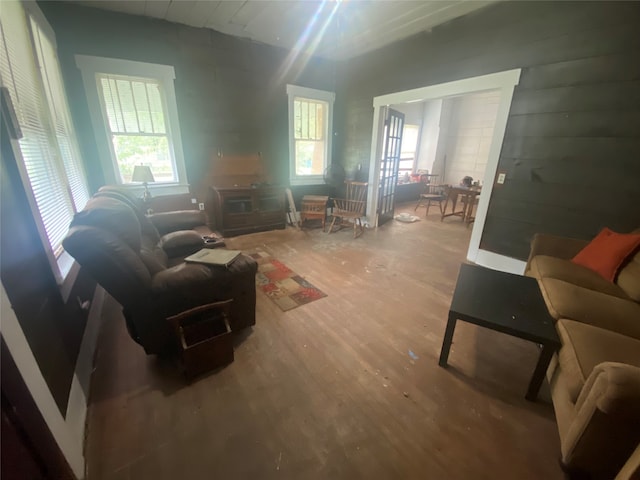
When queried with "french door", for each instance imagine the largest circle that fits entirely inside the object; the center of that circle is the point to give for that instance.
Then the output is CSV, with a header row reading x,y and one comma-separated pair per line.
x,y
393,126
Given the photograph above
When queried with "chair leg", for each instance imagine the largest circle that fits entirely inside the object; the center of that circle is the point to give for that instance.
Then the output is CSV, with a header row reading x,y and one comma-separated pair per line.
x,y
418,204
332,224
428,205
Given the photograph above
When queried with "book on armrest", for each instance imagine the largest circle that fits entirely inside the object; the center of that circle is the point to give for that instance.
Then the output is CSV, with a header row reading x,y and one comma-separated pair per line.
x,y
214,257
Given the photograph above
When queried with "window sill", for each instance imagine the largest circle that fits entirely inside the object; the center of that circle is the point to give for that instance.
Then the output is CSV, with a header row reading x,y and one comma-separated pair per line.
x,y
159,189
68,269
311,180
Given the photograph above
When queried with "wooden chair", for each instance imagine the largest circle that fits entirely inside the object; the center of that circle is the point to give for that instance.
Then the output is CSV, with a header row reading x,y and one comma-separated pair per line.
x,y
350,208
433,193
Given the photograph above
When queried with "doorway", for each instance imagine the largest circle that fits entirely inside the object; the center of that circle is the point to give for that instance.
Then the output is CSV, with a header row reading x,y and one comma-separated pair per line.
x,y
502,82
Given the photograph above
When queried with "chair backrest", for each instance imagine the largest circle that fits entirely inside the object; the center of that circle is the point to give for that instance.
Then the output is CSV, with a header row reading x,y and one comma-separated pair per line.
x,y
355,198
105,239
356,191
119,193
431,183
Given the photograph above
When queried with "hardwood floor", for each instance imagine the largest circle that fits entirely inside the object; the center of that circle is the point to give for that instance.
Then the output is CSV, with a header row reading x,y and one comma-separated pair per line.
x,y
346,387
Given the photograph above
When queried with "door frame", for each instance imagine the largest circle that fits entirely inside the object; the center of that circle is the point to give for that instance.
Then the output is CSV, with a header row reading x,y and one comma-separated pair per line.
x,y
505,82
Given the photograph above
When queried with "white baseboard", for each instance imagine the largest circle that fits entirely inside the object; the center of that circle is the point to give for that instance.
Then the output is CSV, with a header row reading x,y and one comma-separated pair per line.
x,y
76,414
28,367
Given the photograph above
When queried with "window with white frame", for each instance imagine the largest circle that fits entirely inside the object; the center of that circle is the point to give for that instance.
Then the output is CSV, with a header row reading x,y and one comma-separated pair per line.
x,y
135,118
310,119
408,150
135,113
44,140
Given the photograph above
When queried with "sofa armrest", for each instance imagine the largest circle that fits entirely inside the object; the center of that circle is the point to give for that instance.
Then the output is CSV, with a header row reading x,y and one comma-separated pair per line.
x,y
554,246
167,222
615,389
606,426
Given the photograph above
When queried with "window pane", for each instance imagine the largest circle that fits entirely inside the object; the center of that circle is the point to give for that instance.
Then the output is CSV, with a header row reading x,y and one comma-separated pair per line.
x,y
125,97
406,164
155,107
154,151
310,157
409,140
308,119
132,105
142,107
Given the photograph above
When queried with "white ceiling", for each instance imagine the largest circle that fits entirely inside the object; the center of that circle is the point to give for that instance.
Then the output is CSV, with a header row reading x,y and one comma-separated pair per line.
x,y
341,29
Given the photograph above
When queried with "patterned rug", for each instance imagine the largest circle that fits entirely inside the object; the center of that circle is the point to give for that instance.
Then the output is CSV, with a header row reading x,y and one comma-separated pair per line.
x,y
283,286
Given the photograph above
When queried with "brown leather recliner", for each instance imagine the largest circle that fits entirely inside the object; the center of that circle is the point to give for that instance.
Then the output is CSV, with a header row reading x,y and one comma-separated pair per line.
x,y
124,252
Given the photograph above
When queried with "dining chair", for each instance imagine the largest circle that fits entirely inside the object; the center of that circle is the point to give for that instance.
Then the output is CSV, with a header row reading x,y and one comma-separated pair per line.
x,y
433,193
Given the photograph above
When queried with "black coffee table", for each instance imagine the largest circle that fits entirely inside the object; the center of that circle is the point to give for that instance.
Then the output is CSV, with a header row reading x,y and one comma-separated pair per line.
x,y
507,303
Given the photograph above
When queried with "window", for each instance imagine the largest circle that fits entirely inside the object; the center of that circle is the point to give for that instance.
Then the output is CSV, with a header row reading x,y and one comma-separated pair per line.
x,y
135,118
408,149
136,122
310,117
47,152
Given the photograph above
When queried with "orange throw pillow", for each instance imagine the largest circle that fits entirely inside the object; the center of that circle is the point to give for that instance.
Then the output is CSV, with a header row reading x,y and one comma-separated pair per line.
x,y
607,252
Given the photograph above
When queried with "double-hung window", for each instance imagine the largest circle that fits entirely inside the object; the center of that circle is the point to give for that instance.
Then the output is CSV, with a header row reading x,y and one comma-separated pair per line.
x,y
135,118
43,137
310,118
408,150
135,113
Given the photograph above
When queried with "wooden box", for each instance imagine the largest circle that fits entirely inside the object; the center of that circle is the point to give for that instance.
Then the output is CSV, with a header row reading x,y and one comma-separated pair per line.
x,y
204,338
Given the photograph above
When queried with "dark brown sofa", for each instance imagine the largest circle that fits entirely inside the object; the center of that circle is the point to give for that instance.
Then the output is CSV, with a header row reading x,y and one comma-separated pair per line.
x,y
145,272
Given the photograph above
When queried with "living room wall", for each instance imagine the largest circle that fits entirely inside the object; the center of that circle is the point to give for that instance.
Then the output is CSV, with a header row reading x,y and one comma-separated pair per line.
x,y
572,146
231,92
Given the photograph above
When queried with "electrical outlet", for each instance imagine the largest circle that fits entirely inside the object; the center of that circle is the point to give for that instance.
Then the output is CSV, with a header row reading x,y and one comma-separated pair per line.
x,y
194,201
501,178
201,206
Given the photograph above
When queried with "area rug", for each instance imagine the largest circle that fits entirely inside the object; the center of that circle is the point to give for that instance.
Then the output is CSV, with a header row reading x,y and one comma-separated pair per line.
x,y
282,285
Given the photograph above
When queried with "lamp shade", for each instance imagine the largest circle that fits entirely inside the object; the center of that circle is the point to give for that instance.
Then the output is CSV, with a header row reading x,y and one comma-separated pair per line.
x,y
142,173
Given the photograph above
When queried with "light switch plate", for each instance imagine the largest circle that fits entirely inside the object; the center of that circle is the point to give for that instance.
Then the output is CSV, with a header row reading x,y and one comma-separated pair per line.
x,y
501,178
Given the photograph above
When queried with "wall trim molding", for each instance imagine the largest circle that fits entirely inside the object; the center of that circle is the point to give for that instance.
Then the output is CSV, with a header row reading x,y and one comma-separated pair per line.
x,y
504,81
68,431
70,445
499,262
77,405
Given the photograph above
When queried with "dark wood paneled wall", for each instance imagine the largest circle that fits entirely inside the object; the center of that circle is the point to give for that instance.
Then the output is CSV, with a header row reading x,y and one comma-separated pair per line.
x,y
572,146
231,92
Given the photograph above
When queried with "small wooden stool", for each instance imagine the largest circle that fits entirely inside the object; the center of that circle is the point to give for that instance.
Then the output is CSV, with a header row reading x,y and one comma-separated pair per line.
x,y
314,207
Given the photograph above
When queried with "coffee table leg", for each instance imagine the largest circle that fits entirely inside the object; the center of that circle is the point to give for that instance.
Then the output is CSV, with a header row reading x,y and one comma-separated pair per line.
x,y
446,342
538,375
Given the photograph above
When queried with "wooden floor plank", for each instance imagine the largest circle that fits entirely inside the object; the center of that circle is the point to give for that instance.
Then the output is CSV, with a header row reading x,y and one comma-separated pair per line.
x,y
345,387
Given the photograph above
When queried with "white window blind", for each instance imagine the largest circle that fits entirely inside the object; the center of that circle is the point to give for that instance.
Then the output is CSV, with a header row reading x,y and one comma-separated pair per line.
x,y
63,127
49,162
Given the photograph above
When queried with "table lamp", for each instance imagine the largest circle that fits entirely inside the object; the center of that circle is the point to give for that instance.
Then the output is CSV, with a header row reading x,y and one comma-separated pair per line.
x,y
142,173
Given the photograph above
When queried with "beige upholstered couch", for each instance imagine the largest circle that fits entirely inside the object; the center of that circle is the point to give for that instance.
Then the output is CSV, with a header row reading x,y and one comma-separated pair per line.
x,y
595,377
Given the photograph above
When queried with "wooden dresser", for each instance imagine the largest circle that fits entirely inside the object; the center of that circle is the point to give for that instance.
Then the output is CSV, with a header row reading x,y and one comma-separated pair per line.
x,y
240,210
243,199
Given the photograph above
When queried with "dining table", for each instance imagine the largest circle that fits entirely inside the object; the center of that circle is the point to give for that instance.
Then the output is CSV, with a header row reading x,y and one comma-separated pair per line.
x,y
467,196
